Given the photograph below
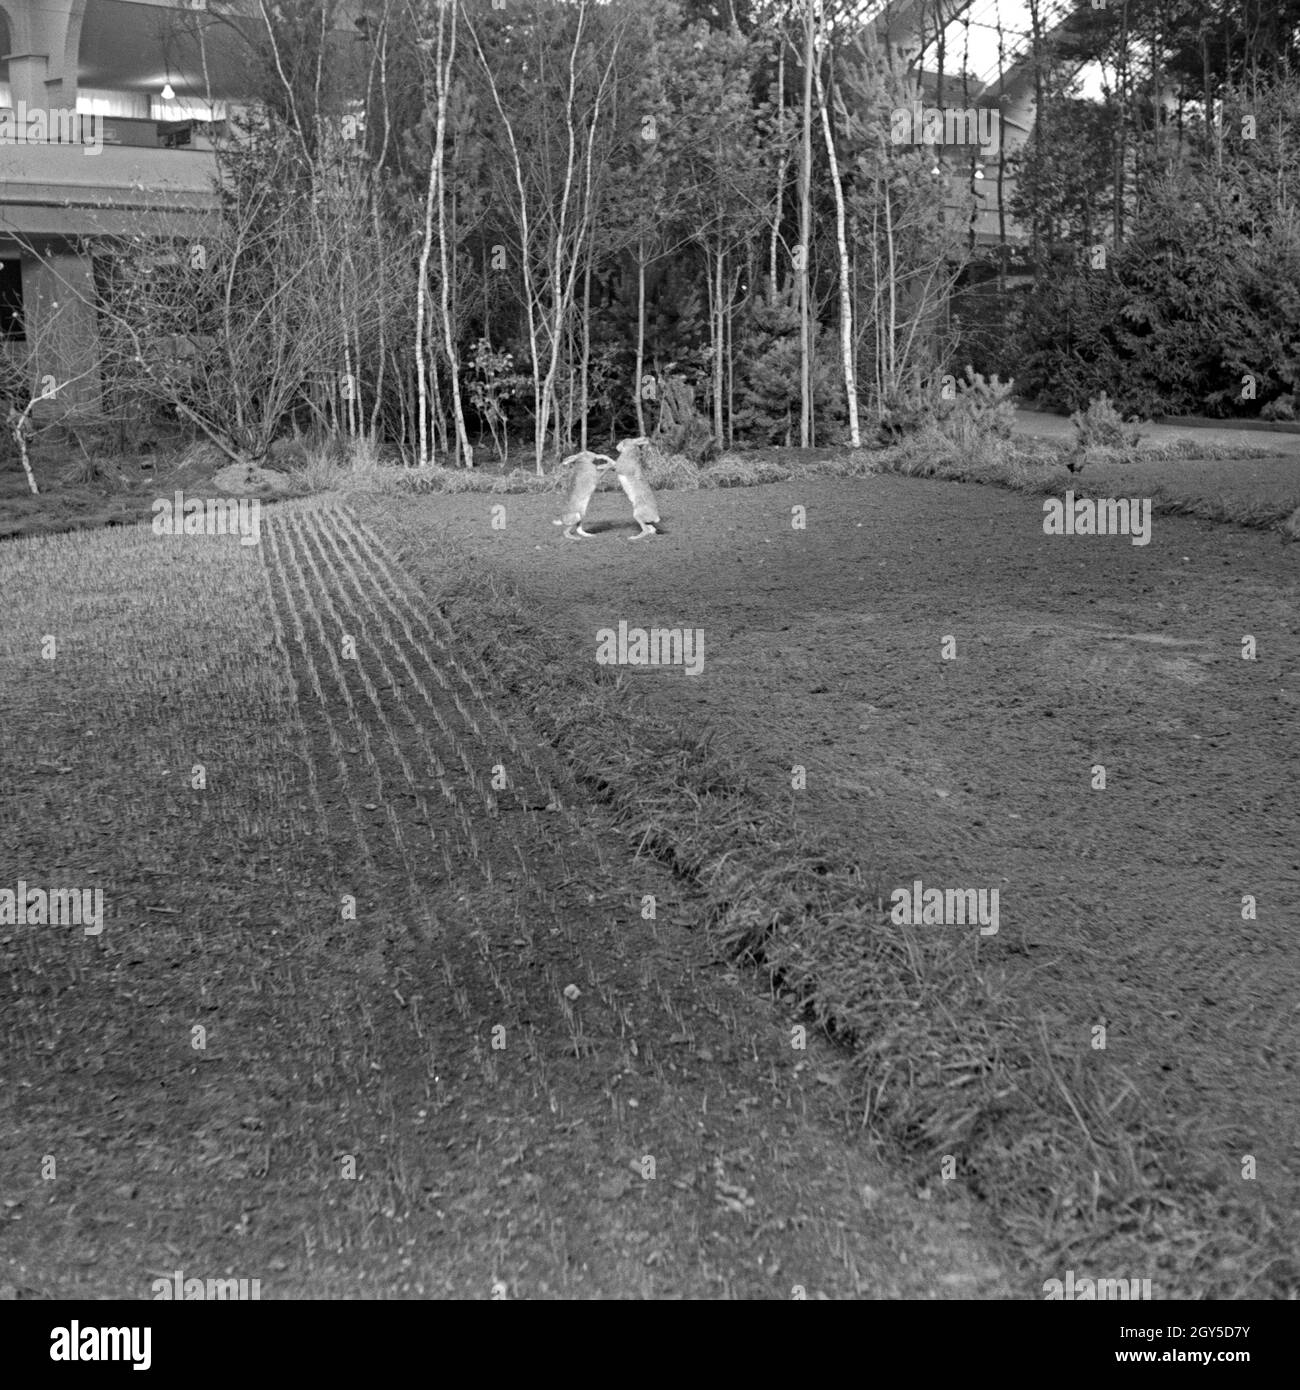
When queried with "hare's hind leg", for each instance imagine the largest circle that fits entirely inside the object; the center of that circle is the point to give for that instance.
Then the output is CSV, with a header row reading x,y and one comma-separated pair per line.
x,y
646,530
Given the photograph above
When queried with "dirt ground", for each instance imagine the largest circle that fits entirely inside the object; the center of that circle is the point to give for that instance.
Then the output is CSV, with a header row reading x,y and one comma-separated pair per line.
x,y
1120,906
823,647
491,1076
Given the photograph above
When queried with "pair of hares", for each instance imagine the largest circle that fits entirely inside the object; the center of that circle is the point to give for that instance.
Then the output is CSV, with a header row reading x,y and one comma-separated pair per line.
x,y
586,478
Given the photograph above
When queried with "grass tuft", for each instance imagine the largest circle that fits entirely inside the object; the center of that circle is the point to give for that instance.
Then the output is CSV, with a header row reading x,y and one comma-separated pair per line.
x,y
732,470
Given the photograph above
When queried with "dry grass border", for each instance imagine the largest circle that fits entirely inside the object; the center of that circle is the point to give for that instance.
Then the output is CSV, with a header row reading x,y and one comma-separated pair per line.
x,y
1039,468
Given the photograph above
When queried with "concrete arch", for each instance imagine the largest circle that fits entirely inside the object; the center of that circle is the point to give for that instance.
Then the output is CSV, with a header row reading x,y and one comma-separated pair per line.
x,y
66,71
44,37
16,18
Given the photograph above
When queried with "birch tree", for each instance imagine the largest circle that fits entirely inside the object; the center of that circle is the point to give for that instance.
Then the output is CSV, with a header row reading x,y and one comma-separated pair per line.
x,y
719,173
439,50
908,248
847,352
675,187
552,144
803,252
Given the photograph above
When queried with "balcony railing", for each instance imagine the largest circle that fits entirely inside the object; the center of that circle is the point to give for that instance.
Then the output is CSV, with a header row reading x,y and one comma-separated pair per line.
x,y
162,135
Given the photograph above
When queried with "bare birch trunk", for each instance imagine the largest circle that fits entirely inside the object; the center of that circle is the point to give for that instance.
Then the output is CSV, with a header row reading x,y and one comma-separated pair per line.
x,y
561,295
440,145
380,242
805,236
525,253
19,426
731,363
747,270
424,458
583,405
846,301
718,310
640,332
782,165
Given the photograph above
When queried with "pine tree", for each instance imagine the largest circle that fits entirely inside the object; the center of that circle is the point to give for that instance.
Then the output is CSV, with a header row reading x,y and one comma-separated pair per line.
x,y
767,372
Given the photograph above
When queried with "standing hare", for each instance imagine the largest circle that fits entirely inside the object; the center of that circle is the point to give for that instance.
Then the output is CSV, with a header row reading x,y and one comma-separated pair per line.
x,y
585,480
644,507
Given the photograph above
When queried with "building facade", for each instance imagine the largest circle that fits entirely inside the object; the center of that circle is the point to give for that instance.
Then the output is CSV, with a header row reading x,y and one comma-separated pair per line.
x,y
106,113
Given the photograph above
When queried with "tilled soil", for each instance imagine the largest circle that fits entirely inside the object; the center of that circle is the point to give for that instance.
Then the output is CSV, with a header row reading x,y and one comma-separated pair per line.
x,y
1120,907
362,1022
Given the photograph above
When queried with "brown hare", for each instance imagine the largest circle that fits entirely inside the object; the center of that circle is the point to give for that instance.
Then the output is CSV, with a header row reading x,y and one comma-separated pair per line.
x,y
644,507
585,480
